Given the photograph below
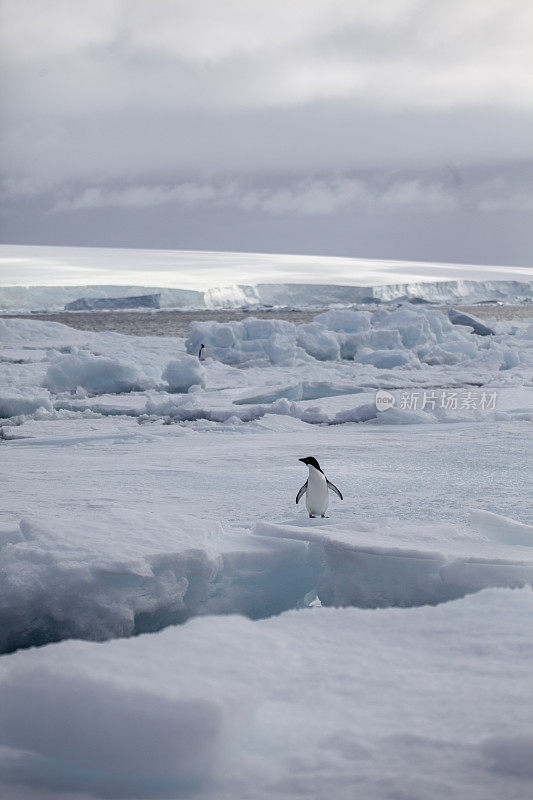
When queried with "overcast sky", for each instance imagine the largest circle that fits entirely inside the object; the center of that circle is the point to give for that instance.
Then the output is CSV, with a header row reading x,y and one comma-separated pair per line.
x,y
384,128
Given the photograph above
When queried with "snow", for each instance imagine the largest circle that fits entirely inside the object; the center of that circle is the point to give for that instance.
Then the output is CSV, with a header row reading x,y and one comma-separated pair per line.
x,y
308,704
251,368
15,402
184,373
388,359
400,416
249,340
129,527
220,643
318,342
501,529
94,373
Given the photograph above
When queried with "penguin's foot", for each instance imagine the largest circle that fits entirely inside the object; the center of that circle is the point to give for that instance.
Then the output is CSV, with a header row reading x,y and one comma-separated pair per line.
x,y
311,516
323,516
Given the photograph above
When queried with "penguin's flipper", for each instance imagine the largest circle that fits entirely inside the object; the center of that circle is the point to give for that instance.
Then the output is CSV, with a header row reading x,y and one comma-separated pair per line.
x,y
334,489
301,492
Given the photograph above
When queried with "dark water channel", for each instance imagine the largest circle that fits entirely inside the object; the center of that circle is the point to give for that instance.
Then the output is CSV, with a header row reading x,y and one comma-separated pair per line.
x,y
157,323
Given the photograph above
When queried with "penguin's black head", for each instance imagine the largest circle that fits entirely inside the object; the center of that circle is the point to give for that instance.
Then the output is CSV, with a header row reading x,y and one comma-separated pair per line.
x,y
311,462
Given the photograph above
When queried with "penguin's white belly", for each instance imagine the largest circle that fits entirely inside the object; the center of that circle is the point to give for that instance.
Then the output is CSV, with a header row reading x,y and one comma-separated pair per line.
x,y
316,497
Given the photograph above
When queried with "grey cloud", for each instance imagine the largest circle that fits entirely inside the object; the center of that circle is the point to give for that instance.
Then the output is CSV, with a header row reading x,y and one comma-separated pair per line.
x,y
419,197
111,88
519,201
140,196
328,197
464,233
439,65
243,54
307,110
327,136
303,197
194,31
430,192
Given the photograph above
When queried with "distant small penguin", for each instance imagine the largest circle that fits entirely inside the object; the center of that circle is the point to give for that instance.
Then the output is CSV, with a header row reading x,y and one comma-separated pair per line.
x,y
316,489
201,353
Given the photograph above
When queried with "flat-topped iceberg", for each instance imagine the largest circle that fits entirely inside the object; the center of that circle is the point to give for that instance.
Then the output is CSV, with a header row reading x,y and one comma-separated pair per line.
x,y
280,295
114,303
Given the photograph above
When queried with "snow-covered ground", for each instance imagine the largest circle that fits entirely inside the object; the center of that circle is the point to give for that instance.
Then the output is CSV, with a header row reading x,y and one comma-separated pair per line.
x,y
143,488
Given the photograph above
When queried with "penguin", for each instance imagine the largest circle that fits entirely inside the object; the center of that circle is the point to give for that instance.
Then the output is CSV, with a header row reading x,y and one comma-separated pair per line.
x,y
316,489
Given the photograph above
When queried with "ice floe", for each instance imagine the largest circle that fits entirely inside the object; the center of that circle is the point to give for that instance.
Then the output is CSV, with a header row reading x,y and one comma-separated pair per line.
x,y
23,401
426,702
143,489
115,572
375,565
261,366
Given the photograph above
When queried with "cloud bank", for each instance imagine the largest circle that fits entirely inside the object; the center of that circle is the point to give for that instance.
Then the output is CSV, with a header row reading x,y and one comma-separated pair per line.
x,y
277,109
128,85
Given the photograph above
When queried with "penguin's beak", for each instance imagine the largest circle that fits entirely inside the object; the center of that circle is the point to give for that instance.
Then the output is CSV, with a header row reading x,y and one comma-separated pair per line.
x,y
303,459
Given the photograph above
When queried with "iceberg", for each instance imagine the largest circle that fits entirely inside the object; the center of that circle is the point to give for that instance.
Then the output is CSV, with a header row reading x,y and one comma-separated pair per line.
x,y
114,303
295,296
478,327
